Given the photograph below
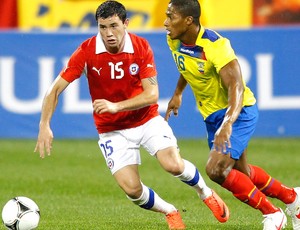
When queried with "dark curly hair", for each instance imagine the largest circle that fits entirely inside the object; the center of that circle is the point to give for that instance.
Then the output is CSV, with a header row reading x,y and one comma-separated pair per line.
x,y
110,8
188,8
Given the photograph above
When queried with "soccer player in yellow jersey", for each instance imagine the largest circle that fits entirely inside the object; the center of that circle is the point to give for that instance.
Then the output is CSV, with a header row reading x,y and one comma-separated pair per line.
x,y
207,62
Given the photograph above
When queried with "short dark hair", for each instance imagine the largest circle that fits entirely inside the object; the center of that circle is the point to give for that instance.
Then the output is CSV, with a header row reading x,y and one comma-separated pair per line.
x,y
188,8
110,8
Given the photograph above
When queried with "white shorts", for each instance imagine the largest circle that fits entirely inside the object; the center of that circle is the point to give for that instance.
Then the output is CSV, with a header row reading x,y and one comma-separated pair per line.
x,y
122,147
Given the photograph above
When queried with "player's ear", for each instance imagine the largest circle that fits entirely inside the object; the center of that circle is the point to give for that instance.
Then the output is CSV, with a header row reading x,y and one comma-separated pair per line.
x,y
189,20
126,22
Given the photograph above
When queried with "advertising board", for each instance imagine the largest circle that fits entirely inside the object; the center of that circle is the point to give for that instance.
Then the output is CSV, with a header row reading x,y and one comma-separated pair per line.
x,y
30,61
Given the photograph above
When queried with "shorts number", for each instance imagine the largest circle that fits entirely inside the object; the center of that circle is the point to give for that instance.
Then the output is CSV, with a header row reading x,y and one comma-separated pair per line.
x,y
107,148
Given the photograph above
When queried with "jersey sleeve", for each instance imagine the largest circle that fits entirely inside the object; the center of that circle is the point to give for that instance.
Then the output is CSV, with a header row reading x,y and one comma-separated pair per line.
x,y
148,68
221,53
75,66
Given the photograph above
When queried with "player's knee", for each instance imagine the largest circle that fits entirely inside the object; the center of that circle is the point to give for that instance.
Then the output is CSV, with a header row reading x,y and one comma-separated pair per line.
x,y
171,161
133,192
216,173
174,167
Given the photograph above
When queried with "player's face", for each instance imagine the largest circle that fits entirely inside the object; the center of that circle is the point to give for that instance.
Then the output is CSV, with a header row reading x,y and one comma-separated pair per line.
x,y
175,24
112,31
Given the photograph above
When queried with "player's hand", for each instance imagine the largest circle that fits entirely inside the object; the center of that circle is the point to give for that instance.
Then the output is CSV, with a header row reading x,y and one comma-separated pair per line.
x,y
222,142
44,142
104,106
173,106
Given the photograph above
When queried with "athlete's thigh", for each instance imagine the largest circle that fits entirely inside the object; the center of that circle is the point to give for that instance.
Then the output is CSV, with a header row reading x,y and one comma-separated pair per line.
x,y
158,135
219,162
242,164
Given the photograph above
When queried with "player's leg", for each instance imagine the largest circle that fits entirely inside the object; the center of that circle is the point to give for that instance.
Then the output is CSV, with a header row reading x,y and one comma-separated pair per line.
x,y
270,186
184,170
129,180
264,182
231,170
121,152
163,144
171,161
273,188
242,165
143,196
220,169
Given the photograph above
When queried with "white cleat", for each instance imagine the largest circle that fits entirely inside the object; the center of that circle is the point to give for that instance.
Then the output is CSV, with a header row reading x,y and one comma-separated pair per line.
x,y
293,210
275,221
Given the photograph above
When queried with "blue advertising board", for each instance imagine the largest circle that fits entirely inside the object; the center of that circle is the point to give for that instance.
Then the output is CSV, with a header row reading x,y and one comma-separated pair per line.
x,y
29,62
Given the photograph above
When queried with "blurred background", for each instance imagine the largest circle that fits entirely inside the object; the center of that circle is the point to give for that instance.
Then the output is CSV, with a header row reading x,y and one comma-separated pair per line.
x,y
145,14
38,36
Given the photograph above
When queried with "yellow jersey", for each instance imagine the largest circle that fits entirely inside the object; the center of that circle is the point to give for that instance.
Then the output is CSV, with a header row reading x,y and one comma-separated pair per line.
x,y
200,65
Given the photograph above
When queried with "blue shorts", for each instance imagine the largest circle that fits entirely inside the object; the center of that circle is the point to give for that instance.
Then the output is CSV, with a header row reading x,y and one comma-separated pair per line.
x,y
242,129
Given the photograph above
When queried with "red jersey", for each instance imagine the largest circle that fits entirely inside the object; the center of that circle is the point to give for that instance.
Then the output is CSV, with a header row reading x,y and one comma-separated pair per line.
x,y
114,77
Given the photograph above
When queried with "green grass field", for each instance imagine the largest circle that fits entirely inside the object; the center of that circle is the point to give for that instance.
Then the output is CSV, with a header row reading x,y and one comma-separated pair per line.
x,y
75,190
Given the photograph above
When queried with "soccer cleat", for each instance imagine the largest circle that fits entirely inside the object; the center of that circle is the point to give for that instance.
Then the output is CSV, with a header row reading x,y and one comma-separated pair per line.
x,y
218,207
174,221
293,210
275,221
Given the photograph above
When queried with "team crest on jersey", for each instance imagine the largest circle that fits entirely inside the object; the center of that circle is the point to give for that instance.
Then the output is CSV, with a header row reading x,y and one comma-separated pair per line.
x,y
134,69
201,67
110,163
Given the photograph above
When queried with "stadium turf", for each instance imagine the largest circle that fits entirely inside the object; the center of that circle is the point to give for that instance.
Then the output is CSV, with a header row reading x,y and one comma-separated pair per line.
x,y
75,190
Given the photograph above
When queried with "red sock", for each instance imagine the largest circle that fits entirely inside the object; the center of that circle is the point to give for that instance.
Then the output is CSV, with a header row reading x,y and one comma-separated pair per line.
x,y
270,186
243,189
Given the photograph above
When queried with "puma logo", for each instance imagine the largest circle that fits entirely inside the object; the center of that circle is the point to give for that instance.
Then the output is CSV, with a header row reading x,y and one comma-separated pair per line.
x,y
150,65
298,215
97,70
224,212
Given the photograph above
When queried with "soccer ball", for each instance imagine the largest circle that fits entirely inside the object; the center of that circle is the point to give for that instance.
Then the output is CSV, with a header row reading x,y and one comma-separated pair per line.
x,y
21,213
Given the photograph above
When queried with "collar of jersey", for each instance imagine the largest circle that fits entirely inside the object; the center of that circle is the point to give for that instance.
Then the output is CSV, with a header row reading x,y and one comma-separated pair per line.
x,y
100,47
200,34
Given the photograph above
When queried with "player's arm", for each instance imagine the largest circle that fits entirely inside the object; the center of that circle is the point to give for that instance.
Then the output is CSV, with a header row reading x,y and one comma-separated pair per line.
x,y
45,136
147,97
176,99
232,80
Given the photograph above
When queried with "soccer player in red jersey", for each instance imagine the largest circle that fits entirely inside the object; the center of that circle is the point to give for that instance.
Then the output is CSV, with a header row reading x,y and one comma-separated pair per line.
x,y
121,75
207,62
